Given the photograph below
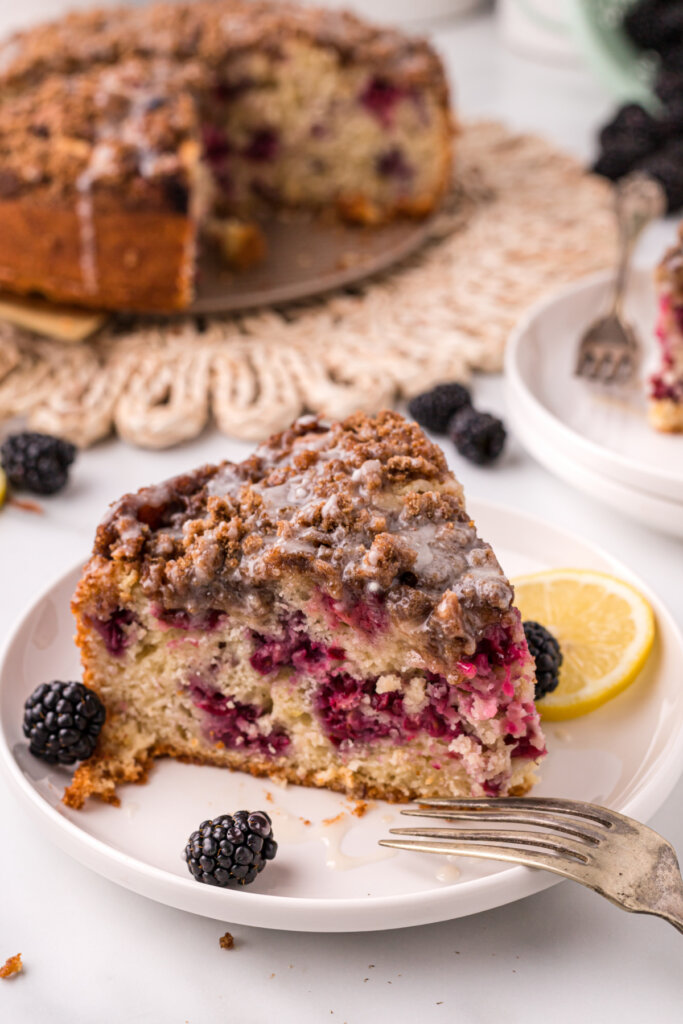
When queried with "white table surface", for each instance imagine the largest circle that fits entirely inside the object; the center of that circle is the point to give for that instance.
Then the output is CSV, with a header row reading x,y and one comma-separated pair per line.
x,y
97,953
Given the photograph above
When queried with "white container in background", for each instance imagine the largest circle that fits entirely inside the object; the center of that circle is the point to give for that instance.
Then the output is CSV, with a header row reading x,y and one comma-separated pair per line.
x,y
19,14
539,28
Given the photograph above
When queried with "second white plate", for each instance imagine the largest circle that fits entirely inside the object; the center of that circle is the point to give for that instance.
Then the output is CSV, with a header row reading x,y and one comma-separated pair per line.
x,y
330,874
606,435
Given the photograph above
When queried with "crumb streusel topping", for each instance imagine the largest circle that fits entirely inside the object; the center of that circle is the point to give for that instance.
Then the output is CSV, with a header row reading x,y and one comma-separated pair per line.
x,y
365,509
110,124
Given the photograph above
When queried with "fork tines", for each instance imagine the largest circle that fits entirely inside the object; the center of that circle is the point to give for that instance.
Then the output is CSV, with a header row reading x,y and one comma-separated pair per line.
x,y
496,805
571,830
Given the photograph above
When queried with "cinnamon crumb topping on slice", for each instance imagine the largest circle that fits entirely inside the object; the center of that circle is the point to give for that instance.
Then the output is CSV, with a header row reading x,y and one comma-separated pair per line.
x,y
364,510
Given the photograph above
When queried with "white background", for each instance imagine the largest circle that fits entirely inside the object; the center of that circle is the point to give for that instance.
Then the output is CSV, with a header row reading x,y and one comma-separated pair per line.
x,y
96,953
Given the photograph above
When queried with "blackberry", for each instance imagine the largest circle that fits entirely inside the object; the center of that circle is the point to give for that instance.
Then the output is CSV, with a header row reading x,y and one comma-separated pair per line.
x,y
631,123
666,165
669,85
37,462
62,722
629,137
478,436
545,650
231,849
670,48
645,26
672,118
434,409
615,162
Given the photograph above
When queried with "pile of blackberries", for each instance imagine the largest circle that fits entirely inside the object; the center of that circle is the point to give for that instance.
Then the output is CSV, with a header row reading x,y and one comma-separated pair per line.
x,y
635,139
447,409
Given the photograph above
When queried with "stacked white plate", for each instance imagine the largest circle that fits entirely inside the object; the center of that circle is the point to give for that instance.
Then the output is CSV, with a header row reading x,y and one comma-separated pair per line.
x,y
597,440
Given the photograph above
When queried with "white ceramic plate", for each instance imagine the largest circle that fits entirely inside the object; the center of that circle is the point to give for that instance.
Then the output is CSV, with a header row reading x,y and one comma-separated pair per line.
x,y
628,755
559,458
607,435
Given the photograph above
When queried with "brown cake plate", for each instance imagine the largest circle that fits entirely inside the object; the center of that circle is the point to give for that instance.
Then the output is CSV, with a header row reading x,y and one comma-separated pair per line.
x,y
306,257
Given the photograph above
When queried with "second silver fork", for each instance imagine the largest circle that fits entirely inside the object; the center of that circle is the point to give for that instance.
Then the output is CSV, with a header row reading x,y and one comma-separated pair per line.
x,y
609,351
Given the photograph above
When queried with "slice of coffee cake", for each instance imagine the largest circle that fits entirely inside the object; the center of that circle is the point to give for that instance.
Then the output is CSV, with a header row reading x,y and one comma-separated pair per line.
x,y
323,613
666,384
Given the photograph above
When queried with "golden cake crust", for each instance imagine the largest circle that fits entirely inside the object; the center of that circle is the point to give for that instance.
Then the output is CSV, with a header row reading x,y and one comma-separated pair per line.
x,y
666,415
101,776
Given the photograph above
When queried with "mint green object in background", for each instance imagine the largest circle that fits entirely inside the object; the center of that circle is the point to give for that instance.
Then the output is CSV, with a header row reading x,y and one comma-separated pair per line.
x,y
595,27
625,71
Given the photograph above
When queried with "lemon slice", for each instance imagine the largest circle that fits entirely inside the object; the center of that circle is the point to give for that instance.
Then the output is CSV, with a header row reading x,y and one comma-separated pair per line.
x,y
3,487
605,628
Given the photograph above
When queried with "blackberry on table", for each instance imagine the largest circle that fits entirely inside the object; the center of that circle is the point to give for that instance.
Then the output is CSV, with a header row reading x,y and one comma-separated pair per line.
x,y
672,119
434,409
631,122
629,137
666,165
646,25
231,849
545,650
616,161
478,436
670,46
62,722
669,84
37,462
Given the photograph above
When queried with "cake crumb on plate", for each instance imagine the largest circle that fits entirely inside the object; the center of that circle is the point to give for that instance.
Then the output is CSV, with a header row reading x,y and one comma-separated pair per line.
x,y
12,966
333,821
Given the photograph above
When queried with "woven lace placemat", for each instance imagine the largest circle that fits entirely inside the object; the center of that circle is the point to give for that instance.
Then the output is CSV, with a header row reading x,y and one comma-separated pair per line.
x,y
522,218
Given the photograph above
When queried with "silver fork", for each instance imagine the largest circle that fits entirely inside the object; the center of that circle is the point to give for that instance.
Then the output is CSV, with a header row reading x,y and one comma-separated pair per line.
x,y
626,862
609,352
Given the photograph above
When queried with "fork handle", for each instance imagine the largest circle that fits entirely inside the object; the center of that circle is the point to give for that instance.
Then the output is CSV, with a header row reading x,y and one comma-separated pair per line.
x,y
670,908
638,200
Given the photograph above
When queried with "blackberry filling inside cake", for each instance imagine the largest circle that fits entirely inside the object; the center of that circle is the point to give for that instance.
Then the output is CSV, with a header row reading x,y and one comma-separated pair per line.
x,y
666,384
126,134
323,613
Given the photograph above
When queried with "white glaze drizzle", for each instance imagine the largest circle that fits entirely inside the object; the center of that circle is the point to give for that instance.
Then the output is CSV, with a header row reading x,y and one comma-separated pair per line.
x,y
448,872
103,155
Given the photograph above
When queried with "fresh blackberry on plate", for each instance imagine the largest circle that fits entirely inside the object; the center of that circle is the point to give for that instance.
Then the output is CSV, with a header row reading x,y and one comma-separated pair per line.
x,y
37,462
433,409
545,650
231,849
62,722
478,436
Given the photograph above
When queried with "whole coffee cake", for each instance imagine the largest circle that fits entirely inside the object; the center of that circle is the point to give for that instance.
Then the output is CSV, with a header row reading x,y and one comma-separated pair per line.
x,y
324,613
126,134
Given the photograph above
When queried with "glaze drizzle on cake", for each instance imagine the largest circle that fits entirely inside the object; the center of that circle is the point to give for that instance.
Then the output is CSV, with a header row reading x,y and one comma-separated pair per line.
x,y
323,612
